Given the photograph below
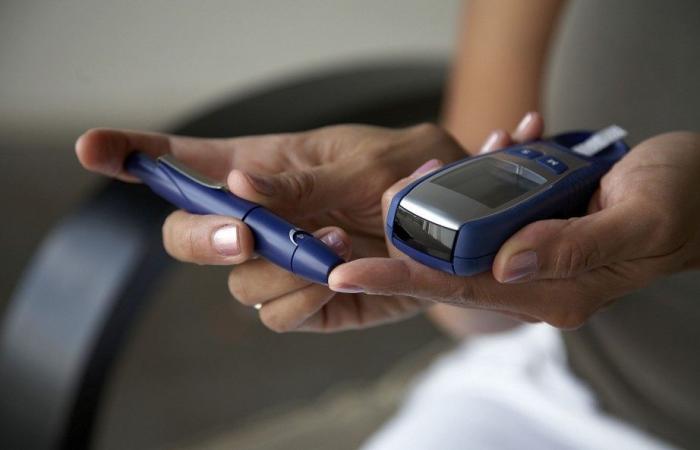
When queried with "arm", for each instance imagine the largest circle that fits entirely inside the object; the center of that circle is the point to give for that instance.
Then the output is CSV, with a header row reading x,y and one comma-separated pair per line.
x,y
310,190
498,66
496,40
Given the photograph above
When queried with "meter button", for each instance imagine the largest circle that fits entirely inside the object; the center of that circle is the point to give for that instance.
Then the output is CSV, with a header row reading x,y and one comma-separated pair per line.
x,y
552,163
524,152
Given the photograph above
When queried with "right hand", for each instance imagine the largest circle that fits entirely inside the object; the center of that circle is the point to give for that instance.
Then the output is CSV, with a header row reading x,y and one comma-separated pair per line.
x,y
329,180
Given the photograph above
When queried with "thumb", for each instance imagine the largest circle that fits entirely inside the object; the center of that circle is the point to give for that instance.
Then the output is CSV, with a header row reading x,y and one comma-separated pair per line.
x,y
555,249
297,192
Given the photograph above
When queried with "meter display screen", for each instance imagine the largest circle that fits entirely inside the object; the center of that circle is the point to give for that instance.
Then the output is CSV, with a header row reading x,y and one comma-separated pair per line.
x,y
487,182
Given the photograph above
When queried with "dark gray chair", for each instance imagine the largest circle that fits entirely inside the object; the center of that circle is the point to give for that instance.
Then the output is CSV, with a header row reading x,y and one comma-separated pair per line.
x,y
73,306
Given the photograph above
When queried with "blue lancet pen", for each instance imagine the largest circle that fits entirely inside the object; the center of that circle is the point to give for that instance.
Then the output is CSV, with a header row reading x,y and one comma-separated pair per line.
x,y
276,240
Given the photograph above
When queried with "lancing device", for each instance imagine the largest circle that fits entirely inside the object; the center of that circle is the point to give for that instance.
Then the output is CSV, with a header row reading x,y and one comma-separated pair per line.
x,y
276,240
457,218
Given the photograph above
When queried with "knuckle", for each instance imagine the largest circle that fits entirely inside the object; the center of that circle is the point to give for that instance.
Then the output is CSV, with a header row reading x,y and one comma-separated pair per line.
x,y
434,134
291,140
668,235
238,288
301,184
384,175
428,129
459,292
189,243
573,257
403,280
567,319
571,308
274,321
180,238
380,185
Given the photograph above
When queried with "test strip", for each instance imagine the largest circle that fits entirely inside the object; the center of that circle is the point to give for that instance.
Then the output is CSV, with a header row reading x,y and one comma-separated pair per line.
x,y
600,140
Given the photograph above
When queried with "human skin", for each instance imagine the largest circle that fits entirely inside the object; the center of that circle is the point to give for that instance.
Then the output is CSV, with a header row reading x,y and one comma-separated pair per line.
x,y
496,40
476,70
309,179
642,223
329,180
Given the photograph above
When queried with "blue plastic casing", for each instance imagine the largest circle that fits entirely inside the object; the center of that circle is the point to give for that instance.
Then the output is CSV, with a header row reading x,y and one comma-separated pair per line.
x,y
477,241
276,240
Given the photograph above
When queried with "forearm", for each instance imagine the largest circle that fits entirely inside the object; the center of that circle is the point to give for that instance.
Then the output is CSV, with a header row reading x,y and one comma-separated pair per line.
x,y
496,77
498,66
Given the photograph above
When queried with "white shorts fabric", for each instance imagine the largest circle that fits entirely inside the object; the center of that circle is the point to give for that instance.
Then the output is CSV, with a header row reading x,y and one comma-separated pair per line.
x,y
506,391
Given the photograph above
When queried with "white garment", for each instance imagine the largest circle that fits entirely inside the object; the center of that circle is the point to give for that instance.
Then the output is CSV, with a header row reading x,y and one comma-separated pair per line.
x,y
507,391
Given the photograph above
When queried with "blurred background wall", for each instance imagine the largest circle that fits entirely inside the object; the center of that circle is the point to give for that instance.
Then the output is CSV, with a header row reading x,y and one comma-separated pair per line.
x,y
69,65
197,364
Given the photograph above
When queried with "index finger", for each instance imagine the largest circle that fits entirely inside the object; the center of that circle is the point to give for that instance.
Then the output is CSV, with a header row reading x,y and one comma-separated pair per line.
x,y
103,150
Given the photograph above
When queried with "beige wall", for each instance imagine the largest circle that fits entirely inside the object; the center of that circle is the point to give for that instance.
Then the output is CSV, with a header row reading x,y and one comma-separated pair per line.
x,y
144,63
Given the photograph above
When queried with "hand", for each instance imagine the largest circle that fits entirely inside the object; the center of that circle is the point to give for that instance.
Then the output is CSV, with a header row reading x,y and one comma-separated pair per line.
x,y
643,223
330,180
289,303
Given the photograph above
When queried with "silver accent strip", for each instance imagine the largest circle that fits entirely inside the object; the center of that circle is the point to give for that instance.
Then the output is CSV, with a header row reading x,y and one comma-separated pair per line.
x,y
428,213
170,161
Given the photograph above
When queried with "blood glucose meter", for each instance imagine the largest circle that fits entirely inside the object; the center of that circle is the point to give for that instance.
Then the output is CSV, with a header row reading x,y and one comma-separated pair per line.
x,y
276,240
456,219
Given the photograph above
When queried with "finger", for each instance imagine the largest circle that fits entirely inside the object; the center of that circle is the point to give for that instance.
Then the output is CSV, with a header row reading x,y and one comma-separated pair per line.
x,y
207,239
557,249
289,312
530,128
298,193
405,277
259,281
352,312
103,150
557,302
496,140
396,276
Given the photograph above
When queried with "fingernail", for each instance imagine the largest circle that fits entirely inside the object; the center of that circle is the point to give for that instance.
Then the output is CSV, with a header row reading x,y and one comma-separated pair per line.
x,y
225,241
426,167
348,289
520,266
335,241
261,184
525,122
490,142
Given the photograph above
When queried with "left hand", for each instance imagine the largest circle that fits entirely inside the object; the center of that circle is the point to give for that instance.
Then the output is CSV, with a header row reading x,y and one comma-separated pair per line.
x,y
643,223
329,181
